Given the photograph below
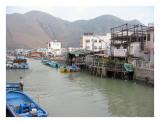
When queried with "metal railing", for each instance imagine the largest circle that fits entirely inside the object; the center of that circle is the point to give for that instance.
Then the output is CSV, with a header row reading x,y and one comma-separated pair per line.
x,y
144,65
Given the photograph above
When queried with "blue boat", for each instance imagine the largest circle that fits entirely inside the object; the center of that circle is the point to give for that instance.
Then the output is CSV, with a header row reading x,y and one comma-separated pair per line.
x,y
23,66
45,61
50,63
20,62
13,87
128,67
53,64
19,104
74,68
129,71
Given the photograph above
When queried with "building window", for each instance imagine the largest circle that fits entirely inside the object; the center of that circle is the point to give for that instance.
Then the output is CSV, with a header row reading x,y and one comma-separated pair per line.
x,y
87,41
87,47
95,47
95,40
100,41
148,37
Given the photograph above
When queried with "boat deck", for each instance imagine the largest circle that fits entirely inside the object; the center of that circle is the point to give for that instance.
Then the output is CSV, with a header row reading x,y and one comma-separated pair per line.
x,y
12,86
22,105
16,100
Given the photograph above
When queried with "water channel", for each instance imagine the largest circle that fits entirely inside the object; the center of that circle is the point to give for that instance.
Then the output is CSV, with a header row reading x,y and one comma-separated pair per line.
x,y
81,94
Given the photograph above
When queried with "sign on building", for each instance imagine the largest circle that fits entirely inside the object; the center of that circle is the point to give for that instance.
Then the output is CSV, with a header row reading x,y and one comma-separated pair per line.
x,y
120,52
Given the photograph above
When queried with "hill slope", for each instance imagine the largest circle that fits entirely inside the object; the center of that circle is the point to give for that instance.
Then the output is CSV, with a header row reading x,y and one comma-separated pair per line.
x,y
34,29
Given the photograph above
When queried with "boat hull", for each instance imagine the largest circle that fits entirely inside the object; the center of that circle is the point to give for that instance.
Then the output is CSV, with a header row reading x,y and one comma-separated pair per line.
x,y
13,86
19,104
50,63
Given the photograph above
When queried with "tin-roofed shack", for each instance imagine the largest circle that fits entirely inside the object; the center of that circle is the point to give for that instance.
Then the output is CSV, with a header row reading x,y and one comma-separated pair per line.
x,y
78,57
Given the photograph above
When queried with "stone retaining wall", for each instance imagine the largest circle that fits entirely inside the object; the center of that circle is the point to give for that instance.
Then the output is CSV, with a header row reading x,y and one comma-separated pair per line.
x,y
144,75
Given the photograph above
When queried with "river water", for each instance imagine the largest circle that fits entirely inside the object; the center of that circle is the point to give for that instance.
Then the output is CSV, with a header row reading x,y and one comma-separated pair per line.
x,y
81,94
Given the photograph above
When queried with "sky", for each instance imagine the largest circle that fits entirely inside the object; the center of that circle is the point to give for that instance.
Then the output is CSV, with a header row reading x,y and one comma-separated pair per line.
x,y
144,14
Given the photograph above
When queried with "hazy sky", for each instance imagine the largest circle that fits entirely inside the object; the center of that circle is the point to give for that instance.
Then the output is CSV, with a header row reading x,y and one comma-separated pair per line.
x,y
145,14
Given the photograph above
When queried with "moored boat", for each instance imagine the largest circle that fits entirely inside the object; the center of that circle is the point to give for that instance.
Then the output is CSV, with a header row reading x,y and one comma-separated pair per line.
x,y
74,68
64,69
13,86
17,66
20,59
19,62
9,65
50,63
129,71
54,64
45,61
67,69
128,67
19,104
23,66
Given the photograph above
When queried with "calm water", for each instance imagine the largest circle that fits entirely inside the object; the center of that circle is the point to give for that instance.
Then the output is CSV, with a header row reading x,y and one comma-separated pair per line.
x,y
80,94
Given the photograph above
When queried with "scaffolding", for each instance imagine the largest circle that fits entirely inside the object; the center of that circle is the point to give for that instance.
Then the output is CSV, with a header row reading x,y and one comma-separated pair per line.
x,y
124,35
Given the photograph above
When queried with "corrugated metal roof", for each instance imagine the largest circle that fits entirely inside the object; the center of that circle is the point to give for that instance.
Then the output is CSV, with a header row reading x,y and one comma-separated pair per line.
x,y
80,52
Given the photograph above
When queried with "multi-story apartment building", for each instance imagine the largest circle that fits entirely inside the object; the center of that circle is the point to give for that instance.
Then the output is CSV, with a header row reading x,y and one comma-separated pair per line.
x,y
54,47
92,42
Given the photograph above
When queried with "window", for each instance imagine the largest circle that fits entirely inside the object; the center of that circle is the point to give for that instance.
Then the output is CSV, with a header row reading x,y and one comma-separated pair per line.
x,y
148,37
87,41
95,40
95,47
87,47
100,41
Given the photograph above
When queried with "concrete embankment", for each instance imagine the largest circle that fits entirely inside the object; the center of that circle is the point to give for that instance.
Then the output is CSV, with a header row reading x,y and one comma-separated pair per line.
x,y
146,75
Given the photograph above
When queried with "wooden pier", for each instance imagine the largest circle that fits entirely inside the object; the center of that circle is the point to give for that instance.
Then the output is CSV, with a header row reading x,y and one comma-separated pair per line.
x,y
99,64
107,70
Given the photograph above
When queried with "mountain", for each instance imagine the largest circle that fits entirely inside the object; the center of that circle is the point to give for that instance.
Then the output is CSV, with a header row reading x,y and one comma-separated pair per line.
x,y
35,28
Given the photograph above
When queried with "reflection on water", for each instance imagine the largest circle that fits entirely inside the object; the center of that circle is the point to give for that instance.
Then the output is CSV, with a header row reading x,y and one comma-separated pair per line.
x,y
80,94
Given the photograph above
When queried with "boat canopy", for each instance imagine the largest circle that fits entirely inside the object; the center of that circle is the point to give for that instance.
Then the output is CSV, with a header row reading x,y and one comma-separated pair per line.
x,y
128,67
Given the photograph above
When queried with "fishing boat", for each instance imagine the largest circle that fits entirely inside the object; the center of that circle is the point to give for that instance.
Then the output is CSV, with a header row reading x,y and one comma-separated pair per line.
x,y
9,64
13,86
53,64
18,63
67,69
64,69
20,59
45,61
50,63
19,66
19,104
74,68
129,71
128,67
23,66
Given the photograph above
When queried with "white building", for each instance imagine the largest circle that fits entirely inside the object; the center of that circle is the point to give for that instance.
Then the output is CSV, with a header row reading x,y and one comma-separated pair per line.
x,y
54,48
147,52
92,42
149,44
19,51
64,51
70,49
135,49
